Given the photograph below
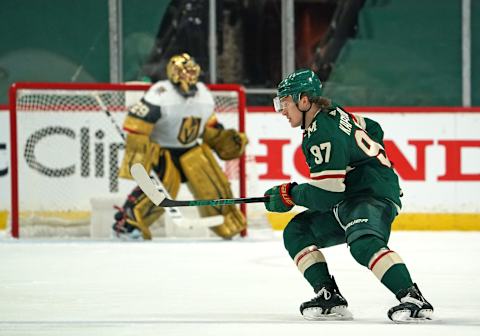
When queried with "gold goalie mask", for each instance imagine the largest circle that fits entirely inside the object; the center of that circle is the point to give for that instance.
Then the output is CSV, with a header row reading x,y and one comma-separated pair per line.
x,y
183,71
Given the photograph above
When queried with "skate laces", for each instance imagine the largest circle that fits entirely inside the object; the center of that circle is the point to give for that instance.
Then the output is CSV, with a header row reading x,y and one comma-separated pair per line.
x,y
325,293
410,299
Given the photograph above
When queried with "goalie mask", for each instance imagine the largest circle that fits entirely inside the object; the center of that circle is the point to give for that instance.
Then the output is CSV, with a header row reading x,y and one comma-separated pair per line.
x,y
183,71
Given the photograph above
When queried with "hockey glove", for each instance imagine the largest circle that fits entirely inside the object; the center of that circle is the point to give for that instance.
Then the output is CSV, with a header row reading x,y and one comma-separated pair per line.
x,y
280,198
228,144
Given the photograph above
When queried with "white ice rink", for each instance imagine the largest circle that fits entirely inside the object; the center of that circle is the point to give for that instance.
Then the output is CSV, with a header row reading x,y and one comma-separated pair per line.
x,y
213,287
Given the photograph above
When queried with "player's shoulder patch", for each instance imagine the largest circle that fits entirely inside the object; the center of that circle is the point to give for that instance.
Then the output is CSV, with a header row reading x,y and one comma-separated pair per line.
x,y
332,112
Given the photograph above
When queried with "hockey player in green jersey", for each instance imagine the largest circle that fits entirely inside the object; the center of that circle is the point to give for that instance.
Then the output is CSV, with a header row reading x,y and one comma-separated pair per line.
x,y
352,197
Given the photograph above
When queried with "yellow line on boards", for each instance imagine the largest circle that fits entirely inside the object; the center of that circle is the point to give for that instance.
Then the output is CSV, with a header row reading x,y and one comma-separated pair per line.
x,y
438,222
3,219
407,221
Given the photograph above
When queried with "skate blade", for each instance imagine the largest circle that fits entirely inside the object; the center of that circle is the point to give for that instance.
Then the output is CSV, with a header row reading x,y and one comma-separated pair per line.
x,y
340,313
403,316
135,235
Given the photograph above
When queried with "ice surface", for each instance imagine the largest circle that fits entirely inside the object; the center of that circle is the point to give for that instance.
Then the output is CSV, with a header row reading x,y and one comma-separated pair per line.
x,y
214,287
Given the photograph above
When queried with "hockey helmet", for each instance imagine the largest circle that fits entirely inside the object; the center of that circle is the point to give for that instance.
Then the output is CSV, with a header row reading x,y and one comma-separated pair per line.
x,y
183,71
302,81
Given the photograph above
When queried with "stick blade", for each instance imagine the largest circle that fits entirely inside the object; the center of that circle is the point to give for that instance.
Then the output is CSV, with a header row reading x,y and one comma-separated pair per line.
x,y
145,183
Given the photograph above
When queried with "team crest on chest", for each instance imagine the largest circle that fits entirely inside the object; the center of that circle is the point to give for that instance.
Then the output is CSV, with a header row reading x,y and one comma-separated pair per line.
x,y
312,128
189,130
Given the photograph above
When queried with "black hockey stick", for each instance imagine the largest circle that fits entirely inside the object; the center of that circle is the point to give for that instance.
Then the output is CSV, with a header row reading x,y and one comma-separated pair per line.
x,y
148,187
104,108
220,201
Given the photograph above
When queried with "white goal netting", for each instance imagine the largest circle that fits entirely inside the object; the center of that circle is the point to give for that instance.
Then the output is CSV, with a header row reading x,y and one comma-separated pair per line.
x,y
68,150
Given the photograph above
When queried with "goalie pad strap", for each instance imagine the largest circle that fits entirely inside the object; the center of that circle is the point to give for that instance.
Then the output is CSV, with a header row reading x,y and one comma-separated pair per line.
x,y
307,257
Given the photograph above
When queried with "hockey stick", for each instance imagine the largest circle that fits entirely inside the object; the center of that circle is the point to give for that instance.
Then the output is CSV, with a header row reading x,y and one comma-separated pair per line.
x,y
158,198
174,213
104,108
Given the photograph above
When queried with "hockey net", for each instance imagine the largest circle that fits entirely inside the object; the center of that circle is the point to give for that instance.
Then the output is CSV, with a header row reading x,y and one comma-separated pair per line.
x,y
66,150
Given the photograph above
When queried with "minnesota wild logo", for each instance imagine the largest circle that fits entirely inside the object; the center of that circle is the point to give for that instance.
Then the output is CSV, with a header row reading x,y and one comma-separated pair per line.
x,y
189,130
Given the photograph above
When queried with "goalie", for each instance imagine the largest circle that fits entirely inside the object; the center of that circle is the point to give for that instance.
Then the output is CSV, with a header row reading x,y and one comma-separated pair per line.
x,y
163,133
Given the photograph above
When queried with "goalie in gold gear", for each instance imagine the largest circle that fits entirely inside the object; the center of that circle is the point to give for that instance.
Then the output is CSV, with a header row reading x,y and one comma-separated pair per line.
x,y
163,133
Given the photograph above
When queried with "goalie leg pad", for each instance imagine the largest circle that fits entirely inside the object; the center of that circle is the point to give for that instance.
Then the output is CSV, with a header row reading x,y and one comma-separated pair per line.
x,y
132,213
233,223
138,149
206,180
145,213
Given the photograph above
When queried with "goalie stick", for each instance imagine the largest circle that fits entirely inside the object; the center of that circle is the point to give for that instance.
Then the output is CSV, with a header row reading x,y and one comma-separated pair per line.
x,y
174,213
104,108
158,198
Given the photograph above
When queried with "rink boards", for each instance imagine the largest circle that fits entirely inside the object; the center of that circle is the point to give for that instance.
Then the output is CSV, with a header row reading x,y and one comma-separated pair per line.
x,y
436,152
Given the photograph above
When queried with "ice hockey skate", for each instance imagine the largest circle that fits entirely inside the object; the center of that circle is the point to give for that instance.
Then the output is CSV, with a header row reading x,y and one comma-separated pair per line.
x,y
327,305
413,307
126,232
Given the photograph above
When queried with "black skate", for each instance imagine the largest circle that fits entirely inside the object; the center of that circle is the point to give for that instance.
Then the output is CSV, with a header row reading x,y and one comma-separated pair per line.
x,y
124,230
413,307
328,305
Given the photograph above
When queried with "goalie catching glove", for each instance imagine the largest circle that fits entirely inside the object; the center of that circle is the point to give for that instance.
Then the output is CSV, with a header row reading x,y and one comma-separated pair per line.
x,y
227,143
280,198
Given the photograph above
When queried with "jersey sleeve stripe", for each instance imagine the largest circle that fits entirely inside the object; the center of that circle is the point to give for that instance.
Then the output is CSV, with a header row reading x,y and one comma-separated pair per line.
x,y
329,184
328,174
329,177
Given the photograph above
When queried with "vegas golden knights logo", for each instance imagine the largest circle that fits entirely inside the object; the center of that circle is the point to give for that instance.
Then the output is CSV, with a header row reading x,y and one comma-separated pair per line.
x,y
189,130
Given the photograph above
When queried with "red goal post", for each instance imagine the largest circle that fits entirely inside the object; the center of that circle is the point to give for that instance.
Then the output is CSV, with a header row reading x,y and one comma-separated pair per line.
x,y
64,149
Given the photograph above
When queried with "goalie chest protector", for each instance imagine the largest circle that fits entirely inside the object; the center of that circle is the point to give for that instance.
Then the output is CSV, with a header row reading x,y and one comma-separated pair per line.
x,y
182,118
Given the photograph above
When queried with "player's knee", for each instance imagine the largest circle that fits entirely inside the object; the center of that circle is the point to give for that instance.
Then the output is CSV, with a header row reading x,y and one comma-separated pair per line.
x,y
363,248
294,237
290,232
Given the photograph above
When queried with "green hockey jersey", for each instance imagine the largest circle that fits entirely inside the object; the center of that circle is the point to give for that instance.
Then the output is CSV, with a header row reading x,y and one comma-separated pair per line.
x,y
346,157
